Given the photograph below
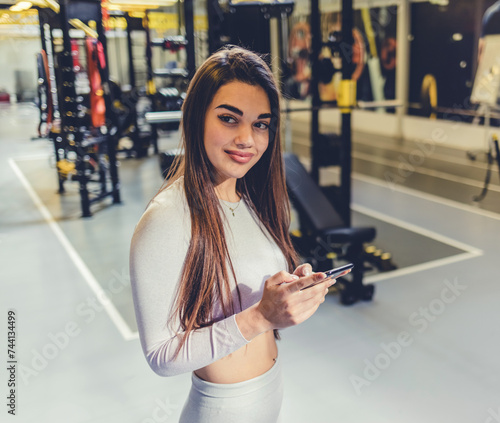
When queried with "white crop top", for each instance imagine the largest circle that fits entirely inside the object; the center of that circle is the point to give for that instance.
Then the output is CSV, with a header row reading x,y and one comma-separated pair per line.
x,y
158,249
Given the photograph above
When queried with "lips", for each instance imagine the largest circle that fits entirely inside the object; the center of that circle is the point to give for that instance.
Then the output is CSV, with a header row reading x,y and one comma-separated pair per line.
x,y
239,156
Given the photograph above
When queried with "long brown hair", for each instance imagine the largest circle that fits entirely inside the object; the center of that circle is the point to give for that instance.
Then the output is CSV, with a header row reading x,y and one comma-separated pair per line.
x,y
205,276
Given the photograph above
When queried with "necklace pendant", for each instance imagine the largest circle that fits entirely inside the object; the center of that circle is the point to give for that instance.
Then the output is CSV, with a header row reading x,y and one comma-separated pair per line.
x,y
233,209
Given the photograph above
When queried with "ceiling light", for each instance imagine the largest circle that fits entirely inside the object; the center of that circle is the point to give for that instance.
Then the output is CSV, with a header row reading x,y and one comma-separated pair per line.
x,y
21,6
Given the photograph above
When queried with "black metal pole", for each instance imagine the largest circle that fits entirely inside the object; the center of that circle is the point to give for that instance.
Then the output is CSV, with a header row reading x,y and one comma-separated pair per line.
x,y
70,123
41,22
134,134
189,30
316,42
215,17
48,46
114,131
150,85
497,151
131,68
348,41
148,55
180,18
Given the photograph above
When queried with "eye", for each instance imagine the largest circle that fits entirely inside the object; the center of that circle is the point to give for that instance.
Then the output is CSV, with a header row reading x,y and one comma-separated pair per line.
x,y
262,125
227,119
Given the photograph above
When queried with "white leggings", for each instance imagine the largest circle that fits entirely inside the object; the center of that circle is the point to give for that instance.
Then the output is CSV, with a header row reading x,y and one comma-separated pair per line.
x,y
255,400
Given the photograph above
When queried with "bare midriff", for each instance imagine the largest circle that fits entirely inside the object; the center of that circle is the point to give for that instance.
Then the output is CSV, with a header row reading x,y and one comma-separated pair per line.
x,y
251,360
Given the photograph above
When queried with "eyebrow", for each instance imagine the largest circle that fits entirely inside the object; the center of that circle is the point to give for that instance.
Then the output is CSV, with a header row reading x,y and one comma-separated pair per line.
x,y
240,113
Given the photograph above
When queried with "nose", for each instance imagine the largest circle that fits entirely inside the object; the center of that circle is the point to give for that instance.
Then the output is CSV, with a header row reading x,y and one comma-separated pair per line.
x,y
244,138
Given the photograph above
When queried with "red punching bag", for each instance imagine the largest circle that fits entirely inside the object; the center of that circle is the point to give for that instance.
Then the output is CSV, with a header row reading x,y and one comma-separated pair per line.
x,y
95,56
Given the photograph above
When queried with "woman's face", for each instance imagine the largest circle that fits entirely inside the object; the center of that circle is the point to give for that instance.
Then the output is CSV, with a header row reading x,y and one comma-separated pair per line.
x,y
237,129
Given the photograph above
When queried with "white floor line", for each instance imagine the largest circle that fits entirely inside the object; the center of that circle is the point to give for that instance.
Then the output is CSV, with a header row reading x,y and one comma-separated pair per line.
x,y
419,267
470,251
417,229
426,196
33,157
424,171
87,275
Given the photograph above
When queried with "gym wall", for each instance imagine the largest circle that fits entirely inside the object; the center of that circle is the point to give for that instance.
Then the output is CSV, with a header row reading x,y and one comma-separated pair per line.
x,y
19,58
450,57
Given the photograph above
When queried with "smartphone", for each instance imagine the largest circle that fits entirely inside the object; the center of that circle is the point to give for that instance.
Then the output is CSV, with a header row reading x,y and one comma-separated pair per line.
x,y
332,274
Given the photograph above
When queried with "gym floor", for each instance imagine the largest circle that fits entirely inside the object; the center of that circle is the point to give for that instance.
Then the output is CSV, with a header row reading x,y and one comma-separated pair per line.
x,y
424,350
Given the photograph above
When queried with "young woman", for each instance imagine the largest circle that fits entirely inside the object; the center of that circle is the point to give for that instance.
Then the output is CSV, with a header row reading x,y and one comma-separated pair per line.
x,y
211,262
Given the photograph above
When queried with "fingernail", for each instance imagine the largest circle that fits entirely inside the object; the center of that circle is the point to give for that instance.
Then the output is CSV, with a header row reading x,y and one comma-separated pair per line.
x,y
294,277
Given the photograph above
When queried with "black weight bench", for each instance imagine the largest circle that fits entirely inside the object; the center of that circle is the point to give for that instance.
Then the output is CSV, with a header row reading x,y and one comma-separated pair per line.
x,y
323,231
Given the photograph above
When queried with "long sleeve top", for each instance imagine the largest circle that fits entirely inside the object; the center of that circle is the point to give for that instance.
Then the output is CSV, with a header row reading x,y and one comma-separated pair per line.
x,y
158,250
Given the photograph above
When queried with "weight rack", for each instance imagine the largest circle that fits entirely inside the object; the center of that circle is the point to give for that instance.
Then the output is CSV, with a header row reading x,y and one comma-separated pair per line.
x,y
68,134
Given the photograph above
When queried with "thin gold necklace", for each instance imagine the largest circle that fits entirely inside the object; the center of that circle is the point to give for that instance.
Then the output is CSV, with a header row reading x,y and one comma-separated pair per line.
x,y
231,208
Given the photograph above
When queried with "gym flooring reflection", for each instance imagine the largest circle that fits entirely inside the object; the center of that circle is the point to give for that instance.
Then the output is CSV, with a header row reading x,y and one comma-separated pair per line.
x,y
424,350
438,170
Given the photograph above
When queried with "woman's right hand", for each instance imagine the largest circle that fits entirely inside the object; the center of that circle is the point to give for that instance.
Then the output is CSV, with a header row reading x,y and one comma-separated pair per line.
x,y
284,303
